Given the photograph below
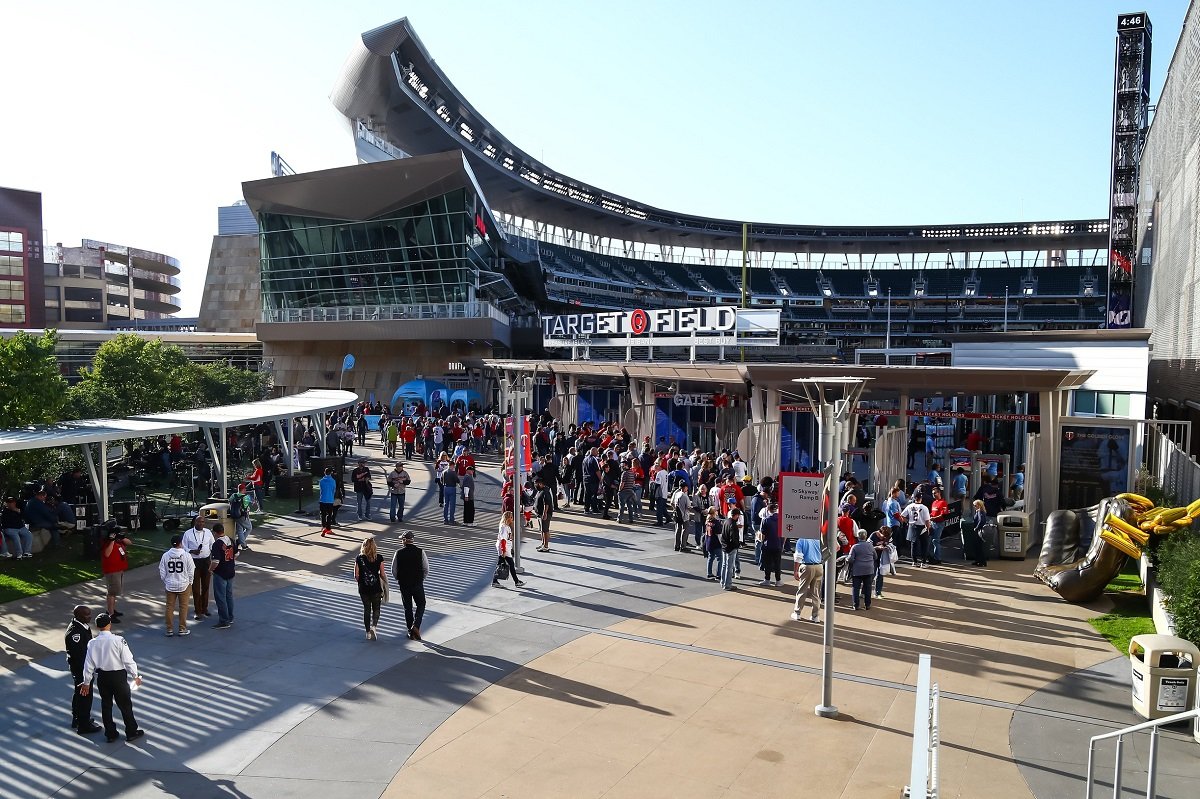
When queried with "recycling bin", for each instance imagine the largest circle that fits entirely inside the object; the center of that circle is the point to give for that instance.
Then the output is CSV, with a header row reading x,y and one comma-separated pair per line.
x,y
218,513
1014,534
1163,672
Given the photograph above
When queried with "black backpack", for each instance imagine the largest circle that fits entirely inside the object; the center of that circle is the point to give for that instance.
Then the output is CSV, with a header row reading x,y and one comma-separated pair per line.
x,y
368,577
236,506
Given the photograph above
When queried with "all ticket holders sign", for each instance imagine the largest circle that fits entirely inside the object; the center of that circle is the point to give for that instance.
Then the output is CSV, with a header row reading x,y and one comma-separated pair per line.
x,y
800,498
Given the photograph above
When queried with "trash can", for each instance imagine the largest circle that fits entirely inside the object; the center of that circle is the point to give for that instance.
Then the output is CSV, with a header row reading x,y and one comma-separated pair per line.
x,y
1164,675
218,513
1014,534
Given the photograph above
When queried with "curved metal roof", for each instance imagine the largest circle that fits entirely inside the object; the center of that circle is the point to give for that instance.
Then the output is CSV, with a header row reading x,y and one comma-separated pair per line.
x,y
392,82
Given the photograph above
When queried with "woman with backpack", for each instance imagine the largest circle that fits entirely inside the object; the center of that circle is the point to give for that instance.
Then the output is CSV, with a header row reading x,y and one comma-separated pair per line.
x,y
372,583
504,551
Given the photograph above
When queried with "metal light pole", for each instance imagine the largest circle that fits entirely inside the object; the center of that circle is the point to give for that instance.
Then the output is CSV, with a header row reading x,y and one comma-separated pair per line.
x,y
887,346
1006,309
834,413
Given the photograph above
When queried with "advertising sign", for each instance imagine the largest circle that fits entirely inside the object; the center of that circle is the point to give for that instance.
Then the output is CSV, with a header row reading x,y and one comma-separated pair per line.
x,y
510,442
714,326
1094,463
800,498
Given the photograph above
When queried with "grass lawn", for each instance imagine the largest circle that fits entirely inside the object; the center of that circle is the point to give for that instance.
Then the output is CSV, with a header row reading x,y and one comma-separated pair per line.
x,y
1127,581
48,570
1129,617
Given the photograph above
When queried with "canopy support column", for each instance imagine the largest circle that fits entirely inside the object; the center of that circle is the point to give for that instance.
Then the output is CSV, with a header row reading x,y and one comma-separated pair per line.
x,y
223,488
286,445
98,478
212,448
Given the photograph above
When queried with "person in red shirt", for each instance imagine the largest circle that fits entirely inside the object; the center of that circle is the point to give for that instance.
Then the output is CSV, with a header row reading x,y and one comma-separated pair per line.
x,y
975,441
731,496
939,512
464,462
114,562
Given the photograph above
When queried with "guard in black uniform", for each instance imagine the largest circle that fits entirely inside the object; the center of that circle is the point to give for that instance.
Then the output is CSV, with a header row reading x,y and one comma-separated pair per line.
x,y
79,632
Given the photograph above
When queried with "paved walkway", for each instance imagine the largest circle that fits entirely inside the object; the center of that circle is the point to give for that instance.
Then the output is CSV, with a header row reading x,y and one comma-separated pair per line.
x,y
616,672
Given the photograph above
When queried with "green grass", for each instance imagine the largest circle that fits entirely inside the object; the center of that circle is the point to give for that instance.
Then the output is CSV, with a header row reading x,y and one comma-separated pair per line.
x,y
1129,617
49,570
1127,581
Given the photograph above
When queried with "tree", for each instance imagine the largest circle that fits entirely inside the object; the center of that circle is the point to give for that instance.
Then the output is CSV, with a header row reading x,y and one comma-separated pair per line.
x,y
31,389
131,376
222,384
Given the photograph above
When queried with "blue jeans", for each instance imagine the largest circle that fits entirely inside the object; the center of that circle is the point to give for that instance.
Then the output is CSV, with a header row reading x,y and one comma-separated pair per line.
x,y
935,541
223,593
758,553
396,508
714,562
879,581
862,585
660,510
21,538
449,498
728,567
364,505
243,525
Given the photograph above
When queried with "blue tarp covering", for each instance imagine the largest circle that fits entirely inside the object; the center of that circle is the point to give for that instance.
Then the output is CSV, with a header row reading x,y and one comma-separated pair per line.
x,y
431,392
466,396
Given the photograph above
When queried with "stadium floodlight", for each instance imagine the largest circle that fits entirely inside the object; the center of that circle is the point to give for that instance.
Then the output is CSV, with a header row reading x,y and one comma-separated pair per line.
x,y
919,287
1028,288
872,287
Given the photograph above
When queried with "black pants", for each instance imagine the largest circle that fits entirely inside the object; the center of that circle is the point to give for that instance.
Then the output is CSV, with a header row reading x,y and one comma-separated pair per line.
x,y
681,536
772,562
201,580
114,687
81,706
411,594
371,605
861,587
326,515
512,567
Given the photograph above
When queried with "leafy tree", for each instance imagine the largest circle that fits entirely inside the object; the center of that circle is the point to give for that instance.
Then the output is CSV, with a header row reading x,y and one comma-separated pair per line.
x,y
222,384
31,392
131,376
31,389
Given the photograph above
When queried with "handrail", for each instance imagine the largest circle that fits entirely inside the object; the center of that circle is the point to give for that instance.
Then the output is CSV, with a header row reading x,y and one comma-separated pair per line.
x,y
1152,764
923,772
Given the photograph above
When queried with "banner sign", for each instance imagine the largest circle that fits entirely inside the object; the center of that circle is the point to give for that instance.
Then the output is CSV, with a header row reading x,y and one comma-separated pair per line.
x,y
510,444
1094,463
718,325
800,498
999,417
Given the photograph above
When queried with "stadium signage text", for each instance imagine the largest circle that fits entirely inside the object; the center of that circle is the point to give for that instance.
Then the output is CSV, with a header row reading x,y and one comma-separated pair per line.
x,y
638,322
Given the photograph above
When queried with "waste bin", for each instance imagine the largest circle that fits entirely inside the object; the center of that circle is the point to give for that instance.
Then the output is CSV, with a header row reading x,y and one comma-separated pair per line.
x,y
218,513
1163,673
1014,534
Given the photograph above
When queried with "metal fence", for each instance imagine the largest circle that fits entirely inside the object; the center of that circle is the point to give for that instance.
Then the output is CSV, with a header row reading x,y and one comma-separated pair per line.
x,y
1177,472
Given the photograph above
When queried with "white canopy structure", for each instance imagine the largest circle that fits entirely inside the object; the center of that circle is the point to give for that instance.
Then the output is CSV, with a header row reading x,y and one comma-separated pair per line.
x,y
314,403
84,433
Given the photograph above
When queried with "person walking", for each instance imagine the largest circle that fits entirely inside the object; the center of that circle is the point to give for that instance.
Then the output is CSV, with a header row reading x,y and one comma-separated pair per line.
x,y
239,511
410,567
772,545
916,515
372,584
731,541
224,558
861,567
810,572
885,552
363,491
79,633
397,481
681,514
198,542
450,483
110,662
543,508
468,495
176,570
505,547
327,496
114,562
711,543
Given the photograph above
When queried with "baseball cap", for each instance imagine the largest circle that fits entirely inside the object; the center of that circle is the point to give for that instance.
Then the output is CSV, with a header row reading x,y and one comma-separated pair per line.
x,y
408,535
176,540
103,620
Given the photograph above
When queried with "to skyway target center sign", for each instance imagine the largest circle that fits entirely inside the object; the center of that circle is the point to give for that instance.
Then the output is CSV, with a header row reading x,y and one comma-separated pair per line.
x,y
721,325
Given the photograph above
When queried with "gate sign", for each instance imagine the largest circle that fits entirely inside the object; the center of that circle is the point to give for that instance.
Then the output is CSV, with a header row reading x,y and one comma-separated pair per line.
x,y
718,325
800,498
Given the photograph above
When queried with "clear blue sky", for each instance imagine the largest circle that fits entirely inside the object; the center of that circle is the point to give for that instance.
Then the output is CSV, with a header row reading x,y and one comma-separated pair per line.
x,y
137,119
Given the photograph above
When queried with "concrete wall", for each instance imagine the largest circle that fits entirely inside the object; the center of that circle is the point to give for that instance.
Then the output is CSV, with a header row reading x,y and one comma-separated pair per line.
x,y
380,366
230,303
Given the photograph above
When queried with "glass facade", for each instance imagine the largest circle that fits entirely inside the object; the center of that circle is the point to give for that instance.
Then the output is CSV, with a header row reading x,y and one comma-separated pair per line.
x,y
12,277
430,252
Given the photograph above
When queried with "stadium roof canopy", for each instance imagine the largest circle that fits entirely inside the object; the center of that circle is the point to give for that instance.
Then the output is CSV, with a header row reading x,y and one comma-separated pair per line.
x,y
393,84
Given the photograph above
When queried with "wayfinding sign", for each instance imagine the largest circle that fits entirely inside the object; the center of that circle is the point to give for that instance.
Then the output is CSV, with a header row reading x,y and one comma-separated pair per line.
x,y
800,498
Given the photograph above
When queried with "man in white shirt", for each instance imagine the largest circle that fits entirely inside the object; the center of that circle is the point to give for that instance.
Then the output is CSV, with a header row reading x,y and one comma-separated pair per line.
x,y
111,663
739,468
198,543
176,570
916,515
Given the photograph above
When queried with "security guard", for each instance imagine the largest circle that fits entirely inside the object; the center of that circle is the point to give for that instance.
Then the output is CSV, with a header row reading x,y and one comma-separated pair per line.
x,y
111,662
79,632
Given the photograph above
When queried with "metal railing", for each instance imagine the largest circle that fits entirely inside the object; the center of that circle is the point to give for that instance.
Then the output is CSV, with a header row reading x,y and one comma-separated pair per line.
x,y
923,774
1151,764
378,313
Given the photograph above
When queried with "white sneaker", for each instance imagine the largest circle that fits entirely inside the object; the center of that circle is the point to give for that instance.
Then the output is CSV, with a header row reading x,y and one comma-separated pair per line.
x,y
796,617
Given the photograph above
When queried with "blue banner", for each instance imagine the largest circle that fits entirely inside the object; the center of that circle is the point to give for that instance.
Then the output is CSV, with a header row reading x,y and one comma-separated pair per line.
x,y
347,363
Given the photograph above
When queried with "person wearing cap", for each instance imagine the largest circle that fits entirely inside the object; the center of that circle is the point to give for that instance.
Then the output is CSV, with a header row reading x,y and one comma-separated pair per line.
x,y
79,633
111,663
176,569
361,478
239,511
731,541
197,542
397,481
771,554
16,533
224,563
114,562
410,567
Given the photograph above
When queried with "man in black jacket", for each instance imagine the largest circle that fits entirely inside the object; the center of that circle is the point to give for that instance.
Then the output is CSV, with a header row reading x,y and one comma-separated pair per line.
x,y
410,567
79,632
731,540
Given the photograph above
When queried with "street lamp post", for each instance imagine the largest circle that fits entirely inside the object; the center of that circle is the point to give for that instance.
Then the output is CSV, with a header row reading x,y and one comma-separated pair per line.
x,y
834,401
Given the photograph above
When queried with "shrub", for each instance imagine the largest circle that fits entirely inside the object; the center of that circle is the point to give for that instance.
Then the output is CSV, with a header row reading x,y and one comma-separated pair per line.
x,y
1179,577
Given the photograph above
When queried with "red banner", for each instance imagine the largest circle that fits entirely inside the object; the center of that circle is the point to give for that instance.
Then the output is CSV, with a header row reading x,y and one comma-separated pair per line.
x,y
999,417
